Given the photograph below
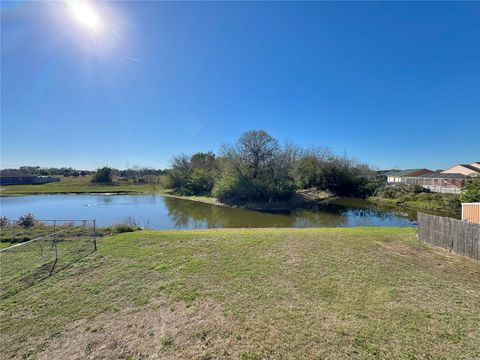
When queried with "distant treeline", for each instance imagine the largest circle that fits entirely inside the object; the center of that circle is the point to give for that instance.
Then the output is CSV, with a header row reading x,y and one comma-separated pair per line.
x,y
135,173
258,167
53,171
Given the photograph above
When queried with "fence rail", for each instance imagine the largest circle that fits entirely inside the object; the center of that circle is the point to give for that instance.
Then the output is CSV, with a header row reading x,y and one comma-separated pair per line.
x,y
31,254
452,234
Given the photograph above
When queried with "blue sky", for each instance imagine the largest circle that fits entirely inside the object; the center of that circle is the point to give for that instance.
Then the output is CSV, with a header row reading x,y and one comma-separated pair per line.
x,y
394,84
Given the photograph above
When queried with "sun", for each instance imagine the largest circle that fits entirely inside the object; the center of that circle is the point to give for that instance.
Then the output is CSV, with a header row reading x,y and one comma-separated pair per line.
x,y
85,15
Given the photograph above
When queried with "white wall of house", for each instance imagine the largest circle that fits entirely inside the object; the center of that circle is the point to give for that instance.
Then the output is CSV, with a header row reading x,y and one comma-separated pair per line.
x,y
394,179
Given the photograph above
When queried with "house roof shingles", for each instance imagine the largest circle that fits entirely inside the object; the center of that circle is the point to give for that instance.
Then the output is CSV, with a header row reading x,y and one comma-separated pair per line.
x,y
444,176
403,172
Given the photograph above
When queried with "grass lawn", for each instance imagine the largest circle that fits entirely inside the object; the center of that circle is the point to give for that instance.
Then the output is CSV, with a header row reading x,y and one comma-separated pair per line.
x,y
252,294
79,185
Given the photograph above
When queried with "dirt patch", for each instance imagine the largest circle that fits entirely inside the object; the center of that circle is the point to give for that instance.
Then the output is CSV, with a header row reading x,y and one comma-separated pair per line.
x,y
439,258
161,331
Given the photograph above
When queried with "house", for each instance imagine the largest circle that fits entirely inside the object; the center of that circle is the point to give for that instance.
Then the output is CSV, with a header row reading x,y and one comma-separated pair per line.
x,y
396,176
465,169
439,182
15,177
450,181
471,212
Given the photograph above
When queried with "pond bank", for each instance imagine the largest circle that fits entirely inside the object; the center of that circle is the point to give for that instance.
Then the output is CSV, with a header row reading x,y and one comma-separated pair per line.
x,y
300,200
409,207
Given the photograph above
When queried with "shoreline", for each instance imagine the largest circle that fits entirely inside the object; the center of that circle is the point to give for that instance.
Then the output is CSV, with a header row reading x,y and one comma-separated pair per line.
x,y
300,200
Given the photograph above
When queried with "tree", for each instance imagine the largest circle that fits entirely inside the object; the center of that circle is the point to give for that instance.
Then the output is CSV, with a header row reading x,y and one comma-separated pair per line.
x,y
194,175
471,191
205,161
103,175
256,167
256,149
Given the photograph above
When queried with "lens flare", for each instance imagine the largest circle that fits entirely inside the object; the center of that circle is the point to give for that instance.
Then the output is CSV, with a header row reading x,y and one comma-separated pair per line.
x,y
85,15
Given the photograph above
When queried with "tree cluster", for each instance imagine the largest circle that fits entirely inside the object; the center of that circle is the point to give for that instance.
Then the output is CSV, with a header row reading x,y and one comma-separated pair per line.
x,y
193,175
258,167
52,171
103,175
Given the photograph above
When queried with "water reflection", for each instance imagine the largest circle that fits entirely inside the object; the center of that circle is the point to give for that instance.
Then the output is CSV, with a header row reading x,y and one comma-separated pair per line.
x,y
189,214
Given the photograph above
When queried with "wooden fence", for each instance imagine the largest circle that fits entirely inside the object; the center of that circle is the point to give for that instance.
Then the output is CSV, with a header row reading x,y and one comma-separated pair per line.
x,y
452,234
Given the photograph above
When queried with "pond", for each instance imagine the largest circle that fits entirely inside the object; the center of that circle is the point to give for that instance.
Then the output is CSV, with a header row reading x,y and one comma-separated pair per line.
x,y
160,212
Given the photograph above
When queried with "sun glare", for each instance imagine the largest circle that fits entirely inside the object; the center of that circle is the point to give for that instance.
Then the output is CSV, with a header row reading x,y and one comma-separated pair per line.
x,y
86,15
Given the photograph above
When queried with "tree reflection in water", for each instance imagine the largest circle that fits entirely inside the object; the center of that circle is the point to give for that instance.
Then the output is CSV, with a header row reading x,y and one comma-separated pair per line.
x,y
190,214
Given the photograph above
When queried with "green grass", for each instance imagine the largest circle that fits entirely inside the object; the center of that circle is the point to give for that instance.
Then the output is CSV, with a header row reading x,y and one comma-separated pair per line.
x,y
435,203
252,294
79,185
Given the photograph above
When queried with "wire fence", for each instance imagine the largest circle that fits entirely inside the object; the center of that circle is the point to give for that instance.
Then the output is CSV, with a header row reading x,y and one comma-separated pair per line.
x,y
31,253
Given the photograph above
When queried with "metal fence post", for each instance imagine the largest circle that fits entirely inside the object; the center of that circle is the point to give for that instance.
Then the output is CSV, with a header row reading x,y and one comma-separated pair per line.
x,y
56,253
54,229
94,236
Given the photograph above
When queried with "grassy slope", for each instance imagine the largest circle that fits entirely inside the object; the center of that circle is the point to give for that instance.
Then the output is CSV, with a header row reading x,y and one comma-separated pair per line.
x,y
251,294
428,205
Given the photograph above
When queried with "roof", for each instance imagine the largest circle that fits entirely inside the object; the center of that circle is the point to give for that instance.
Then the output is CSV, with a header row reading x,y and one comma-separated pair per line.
x,y
475,166
444,176
470,167
403,172
14,173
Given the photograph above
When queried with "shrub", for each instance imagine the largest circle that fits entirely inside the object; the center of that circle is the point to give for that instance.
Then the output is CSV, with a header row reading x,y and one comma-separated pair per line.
x,y
233,189
4,221
26,221
192,175
451,201
200,182
471,191
103,175
403,191
130,221
124,228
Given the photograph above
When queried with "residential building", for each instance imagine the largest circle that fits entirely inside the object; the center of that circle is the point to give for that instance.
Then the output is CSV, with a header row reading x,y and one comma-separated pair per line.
x,y
465,169
396,176
439,182
15,177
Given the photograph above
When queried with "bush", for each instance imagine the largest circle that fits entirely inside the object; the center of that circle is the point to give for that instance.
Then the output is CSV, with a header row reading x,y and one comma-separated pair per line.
x,y
451,201
4,221
401,191
194,175
471,191
103,175
232,189
200,182
26,221
124,228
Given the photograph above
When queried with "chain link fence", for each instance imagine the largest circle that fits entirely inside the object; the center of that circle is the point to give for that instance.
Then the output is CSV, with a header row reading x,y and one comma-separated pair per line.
x,y
32,251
